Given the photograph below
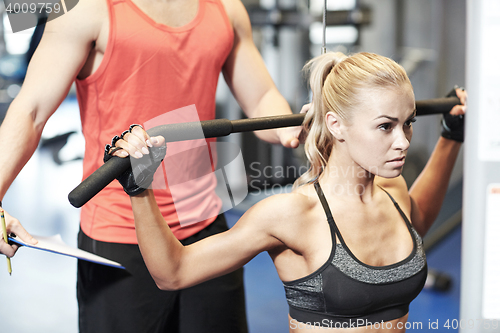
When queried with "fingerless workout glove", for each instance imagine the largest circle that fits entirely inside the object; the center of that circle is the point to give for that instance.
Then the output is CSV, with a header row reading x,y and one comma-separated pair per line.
x,y
453,126
139,176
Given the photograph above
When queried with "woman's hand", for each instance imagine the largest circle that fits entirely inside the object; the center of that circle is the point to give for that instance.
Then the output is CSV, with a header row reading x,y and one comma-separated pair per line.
x,y
457,110
135,142
453,122
147,152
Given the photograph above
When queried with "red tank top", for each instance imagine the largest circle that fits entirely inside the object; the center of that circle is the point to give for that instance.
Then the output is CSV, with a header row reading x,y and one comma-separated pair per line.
x,y
148,71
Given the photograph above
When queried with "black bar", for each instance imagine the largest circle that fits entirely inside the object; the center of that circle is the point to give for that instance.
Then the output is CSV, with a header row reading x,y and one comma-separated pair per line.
x,y
214,128
436,105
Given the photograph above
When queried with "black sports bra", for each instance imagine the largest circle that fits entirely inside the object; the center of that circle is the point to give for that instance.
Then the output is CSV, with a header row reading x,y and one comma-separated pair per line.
x,y
345,292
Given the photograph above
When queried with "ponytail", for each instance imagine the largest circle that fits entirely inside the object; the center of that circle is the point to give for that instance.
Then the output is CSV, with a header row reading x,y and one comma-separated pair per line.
x,y
319,142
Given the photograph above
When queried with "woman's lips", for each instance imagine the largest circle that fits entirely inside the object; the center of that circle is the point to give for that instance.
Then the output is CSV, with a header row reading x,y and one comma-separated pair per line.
x,y
397,162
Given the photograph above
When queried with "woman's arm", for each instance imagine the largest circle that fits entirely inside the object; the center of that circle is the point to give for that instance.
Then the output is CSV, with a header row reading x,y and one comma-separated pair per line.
x,y
429,189
175,266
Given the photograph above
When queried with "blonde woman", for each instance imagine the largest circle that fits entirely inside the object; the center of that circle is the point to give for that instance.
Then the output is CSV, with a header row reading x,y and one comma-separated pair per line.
x,y
347,241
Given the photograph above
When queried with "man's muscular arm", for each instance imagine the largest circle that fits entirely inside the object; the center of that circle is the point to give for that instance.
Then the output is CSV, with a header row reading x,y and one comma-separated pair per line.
x,y
249,80
62,52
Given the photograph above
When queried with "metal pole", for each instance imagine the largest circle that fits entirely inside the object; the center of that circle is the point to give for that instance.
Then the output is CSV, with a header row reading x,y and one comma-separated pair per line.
x,y
323,47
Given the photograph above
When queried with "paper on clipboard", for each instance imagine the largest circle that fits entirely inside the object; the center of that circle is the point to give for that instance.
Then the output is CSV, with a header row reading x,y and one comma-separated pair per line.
x,y
55,244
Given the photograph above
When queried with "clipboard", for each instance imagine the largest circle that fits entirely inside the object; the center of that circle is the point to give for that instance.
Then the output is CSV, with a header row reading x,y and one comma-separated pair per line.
x,y
55,244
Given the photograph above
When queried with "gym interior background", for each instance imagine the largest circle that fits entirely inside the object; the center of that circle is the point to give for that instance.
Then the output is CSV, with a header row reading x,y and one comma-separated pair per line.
x,y
428,37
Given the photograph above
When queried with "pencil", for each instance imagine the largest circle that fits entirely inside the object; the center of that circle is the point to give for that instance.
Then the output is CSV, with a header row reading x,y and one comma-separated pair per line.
x,y
4,231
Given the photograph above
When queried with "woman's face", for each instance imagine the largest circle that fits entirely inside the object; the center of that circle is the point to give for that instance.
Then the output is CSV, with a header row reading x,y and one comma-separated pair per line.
x,y
379,132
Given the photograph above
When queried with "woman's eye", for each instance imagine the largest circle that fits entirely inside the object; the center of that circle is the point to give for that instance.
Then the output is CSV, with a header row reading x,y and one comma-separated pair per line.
x,y
410,121
385,127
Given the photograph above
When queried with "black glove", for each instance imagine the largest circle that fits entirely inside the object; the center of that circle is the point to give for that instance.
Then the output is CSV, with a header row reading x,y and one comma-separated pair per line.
x,y
139,176
453,126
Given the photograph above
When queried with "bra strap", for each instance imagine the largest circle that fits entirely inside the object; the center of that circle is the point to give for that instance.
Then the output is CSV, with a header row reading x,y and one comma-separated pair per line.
x,y
397,207
327,210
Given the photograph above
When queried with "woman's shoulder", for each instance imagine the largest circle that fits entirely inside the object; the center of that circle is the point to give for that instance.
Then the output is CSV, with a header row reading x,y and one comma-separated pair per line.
x,y
288,206
286,217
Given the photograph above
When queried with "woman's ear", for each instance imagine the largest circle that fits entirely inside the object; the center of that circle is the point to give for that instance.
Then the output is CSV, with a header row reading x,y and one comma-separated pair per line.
x,y
333,123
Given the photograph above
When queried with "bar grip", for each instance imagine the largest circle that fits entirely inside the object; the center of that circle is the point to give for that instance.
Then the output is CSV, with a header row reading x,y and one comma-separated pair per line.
x,y
436,105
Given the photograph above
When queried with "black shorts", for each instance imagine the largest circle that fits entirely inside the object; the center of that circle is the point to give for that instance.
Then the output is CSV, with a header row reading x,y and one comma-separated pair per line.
x,y
116,300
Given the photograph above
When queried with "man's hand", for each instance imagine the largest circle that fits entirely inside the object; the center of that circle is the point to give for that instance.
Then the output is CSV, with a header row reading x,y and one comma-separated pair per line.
x,y
14,226
291,137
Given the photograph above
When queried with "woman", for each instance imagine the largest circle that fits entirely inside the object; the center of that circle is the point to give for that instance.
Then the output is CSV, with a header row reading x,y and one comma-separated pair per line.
x,y
347,241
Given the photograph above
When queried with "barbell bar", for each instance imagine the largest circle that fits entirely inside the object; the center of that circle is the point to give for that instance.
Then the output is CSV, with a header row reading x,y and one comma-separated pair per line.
x,y
109,171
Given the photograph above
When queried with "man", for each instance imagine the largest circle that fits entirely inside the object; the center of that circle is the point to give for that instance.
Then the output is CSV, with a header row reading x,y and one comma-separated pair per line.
x,y
135,60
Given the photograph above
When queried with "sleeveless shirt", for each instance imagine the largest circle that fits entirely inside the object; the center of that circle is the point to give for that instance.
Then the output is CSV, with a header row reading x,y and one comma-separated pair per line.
x,y
151,74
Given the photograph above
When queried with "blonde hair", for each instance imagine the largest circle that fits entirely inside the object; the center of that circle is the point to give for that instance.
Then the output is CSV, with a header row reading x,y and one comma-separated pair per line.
x,y
337,82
